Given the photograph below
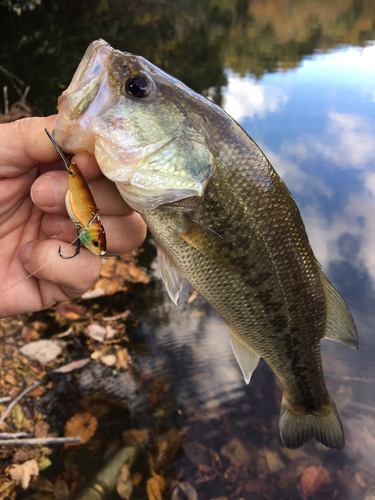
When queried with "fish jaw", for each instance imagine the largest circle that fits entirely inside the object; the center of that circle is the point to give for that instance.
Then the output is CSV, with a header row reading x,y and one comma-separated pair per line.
x,y
149,147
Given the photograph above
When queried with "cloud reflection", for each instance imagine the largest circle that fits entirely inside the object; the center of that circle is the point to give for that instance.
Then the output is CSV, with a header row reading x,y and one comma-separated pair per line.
x,y
245,97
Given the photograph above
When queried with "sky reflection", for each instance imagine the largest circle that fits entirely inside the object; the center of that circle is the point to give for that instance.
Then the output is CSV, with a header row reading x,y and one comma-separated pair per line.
x,y
316,124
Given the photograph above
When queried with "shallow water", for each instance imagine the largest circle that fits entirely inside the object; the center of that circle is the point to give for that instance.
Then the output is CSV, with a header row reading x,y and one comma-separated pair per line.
x,y
300,78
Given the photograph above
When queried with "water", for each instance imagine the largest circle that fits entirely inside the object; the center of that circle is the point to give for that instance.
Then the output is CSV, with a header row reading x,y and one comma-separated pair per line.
x,y
300,78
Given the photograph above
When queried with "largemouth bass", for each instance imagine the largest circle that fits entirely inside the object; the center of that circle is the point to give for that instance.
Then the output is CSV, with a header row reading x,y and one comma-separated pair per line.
x,y
222,219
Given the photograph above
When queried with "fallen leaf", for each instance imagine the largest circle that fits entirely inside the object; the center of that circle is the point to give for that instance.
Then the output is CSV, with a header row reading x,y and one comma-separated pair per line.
x,y
82,424
169,445
205,474
232,473
71,311
42,351
134,437
41,429
110,332
21,473
74,365
37,392
61,490
96,332
17,415
124,485
137,478
313,479
184,491
122,359
197,453
236,452
155,487
109,360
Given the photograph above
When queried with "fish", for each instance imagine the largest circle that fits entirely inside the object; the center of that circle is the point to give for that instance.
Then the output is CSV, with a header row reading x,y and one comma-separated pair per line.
x,y
82,210
223,220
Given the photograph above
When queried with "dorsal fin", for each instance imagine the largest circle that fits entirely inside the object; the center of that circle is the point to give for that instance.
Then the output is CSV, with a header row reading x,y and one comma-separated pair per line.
x,y
340,326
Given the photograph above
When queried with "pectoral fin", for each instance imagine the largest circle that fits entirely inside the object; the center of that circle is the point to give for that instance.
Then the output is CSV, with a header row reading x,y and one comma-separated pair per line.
x,y
210,244
340,325
245,356
171,276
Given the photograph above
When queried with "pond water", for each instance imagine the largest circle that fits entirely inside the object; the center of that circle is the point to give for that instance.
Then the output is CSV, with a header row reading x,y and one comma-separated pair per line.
x,y
300,78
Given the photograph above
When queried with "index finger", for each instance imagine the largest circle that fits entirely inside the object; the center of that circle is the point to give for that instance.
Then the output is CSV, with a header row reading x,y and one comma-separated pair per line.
x,y
24,145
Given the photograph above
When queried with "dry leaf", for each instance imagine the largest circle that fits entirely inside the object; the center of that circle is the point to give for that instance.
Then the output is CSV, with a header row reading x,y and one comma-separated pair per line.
x,y
313,479
122,359
96,332
42,351
109,360
74,365
41,429
21,473
17,415
71,311
124,484
83,424
156,486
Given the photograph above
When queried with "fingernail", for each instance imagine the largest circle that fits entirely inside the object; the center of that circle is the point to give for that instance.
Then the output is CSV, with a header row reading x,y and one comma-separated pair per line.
x,y
45,192
24,253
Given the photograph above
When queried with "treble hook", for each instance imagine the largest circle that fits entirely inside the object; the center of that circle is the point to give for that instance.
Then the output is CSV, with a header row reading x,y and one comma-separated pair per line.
x,y
78,248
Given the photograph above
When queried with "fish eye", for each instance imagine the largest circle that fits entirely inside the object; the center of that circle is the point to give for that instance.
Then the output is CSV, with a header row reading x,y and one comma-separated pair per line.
x,y
137,86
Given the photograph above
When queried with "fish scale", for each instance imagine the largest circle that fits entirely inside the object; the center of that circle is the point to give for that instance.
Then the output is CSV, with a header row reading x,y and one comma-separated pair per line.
x,y
222,219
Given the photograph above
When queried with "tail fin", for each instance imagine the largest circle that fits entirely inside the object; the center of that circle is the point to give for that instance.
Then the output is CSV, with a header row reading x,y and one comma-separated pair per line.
x,y
297,428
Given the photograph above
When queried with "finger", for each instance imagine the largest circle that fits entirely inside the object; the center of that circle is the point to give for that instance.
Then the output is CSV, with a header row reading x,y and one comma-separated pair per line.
x,y
60,279
24,144
49,190
124,233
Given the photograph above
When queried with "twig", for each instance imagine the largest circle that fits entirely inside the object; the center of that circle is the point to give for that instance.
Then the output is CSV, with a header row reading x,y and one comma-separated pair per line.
x,y
18,398
39,441
6,435
6,100
5,400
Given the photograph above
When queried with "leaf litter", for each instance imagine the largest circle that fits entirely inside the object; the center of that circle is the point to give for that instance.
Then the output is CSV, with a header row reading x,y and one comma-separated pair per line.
x,y
178,462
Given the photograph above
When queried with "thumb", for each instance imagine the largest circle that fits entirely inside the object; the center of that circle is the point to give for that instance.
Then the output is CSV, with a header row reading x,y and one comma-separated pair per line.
x,y
24,144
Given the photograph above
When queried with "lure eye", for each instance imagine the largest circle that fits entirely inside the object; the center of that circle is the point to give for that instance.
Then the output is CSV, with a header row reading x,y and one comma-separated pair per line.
x,y
137,86
95,243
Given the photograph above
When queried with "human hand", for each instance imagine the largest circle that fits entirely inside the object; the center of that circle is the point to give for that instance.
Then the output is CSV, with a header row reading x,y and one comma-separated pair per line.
x,y
34,221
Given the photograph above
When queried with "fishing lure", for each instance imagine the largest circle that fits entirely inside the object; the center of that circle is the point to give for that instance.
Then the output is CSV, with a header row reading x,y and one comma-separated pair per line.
x,y
82,209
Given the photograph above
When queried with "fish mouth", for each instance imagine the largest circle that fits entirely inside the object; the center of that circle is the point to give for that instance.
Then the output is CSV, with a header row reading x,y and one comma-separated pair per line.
x,y
85,97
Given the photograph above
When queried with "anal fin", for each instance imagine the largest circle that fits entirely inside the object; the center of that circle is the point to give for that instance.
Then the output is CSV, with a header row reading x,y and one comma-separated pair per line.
x,y
340,326
246,357
171,276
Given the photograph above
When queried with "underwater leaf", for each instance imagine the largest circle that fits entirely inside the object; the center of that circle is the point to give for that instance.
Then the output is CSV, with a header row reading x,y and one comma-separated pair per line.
x,y
41,429
205,474
183,491
134,437
82,424
236,452
156,486
313,479
124,484
21,473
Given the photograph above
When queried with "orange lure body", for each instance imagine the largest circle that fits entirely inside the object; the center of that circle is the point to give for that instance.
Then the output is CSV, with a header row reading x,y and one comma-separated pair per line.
x,y
82,209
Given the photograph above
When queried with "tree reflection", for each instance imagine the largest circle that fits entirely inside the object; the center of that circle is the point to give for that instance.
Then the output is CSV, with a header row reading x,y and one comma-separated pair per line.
x,y
193,40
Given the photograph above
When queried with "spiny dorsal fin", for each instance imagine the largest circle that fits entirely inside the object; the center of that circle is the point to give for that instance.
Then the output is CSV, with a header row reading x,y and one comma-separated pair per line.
x,y
171,276
340,325
245,356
